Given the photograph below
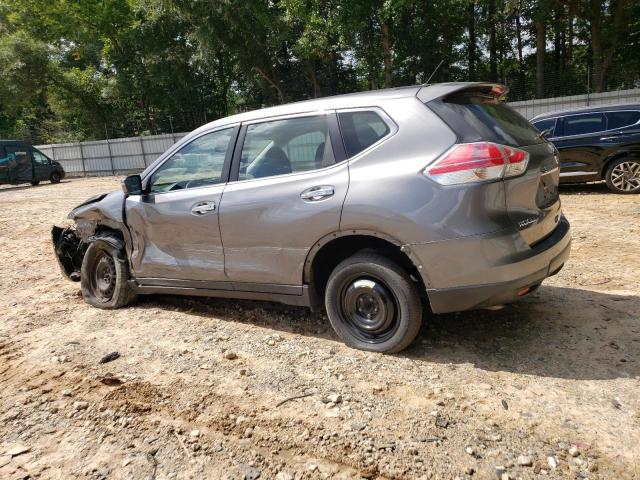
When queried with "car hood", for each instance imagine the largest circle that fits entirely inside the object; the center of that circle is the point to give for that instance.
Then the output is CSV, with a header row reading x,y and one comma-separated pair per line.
x,y
106,206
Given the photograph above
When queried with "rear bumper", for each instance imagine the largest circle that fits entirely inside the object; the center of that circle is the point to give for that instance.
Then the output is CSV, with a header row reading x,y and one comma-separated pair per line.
x,y
477,272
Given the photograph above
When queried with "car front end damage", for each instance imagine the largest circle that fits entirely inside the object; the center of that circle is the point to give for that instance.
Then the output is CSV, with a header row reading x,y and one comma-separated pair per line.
x,y
69,251
97,217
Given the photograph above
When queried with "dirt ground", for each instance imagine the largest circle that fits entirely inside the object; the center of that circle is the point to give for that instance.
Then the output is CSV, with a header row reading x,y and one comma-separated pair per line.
x,y
546,388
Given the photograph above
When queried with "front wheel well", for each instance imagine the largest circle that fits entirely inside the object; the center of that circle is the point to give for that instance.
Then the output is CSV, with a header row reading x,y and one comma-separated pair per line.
x,y
329,255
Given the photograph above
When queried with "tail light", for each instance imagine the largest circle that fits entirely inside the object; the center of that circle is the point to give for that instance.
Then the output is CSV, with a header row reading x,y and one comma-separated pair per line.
x,y
477,162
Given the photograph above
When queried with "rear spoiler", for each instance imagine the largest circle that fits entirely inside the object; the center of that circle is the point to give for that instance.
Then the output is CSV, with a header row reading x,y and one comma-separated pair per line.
x,y
438,91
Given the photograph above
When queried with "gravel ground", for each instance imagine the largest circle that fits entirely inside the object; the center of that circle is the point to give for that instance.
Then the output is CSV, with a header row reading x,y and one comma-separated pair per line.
x,y
546,388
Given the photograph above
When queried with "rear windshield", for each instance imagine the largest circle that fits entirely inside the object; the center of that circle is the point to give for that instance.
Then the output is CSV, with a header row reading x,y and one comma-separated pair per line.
x,y
474,117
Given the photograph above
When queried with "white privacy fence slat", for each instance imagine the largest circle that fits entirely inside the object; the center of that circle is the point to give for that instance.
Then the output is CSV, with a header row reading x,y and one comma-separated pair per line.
x,y
132,155
121,156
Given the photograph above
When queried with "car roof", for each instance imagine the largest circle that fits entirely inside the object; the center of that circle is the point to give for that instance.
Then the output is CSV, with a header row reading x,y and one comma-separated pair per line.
x,y
349,100
369,98
590,109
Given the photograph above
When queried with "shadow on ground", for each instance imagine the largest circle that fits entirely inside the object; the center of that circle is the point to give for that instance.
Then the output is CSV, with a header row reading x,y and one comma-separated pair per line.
x,y
42,184
585,189
556,332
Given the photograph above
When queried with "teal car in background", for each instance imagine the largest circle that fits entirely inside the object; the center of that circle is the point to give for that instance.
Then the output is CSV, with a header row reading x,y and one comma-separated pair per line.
x,y
20,162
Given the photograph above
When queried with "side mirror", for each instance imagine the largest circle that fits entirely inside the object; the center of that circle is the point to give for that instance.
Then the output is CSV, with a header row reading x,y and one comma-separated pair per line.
x,y
132,185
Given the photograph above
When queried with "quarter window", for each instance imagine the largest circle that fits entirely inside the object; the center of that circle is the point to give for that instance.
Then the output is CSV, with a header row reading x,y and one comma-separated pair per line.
x,y
286,146
197,164
622,119
583,124
361,129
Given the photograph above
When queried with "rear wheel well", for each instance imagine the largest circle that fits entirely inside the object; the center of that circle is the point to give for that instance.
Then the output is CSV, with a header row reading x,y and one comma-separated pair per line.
x,y
340,248
615,158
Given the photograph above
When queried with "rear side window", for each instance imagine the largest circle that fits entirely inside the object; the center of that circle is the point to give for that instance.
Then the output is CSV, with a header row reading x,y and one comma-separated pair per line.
x,y
475,116
286,146
584,124
361,129
549,124
622,119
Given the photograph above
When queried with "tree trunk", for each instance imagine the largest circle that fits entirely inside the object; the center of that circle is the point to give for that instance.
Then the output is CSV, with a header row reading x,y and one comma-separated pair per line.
x,y
557,50
272,83
386,55
493,63
314,80
540,54
521,69
471,12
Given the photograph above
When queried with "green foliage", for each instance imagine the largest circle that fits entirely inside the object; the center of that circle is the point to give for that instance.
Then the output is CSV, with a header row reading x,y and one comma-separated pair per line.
x,y
86,69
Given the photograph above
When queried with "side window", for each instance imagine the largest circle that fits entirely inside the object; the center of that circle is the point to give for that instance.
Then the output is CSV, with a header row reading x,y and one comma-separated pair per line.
x,y
622,119
361,129
197,164
543,125
18,156
39,158
583,124
285,146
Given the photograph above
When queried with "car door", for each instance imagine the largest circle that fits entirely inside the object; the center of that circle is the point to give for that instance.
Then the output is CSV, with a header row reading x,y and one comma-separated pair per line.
x,y
42,166
174,224
288,190
579,145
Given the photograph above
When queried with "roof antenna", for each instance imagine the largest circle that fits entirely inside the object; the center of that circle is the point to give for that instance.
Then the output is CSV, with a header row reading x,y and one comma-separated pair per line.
x,y
434,72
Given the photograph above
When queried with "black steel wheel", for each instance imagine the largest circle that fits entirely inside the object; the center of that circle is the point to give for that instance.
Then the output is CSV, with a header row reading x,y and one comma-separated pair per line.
x,y
103,280
104,276
368,308
373,304
55,177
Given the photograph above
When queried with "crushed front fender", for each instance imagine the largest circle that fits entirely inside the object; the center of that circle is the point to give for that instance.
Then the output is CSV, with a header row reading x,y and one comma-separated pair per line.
x,y
69,250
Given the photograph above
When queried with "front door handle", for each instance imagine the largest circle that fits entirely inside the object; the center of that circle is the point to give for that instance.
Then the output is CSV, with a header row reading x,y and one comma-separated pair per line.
x,y
203,208
315,194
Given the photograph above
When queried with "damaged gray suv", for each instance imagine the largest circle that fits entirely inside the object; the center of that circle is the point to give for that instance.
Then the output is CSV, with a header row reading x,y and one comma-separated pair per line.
x,y
378,206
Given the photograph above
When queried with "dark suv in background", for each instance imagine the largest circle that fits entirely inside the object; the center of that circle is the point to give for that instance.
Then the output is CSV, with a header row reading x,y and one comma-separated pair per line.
x,y
597,143
22,163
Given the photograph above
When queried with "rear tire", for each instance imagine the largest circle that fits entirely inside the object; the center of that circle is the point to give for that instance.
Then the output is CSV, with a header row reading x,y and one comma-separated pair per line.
x,y
35,182
623,176
373,304
55,177
104,277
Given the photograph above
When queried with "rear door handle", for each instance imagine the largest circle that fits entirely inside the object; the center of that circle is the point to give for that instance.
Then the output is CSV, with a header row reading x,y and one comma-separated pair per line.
x,y
203,208
315,194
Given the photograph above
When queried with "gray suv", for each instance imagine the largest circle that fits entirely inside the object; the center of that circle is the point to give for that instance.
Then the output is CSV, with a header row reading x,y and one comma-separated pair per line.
x,y
378,206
